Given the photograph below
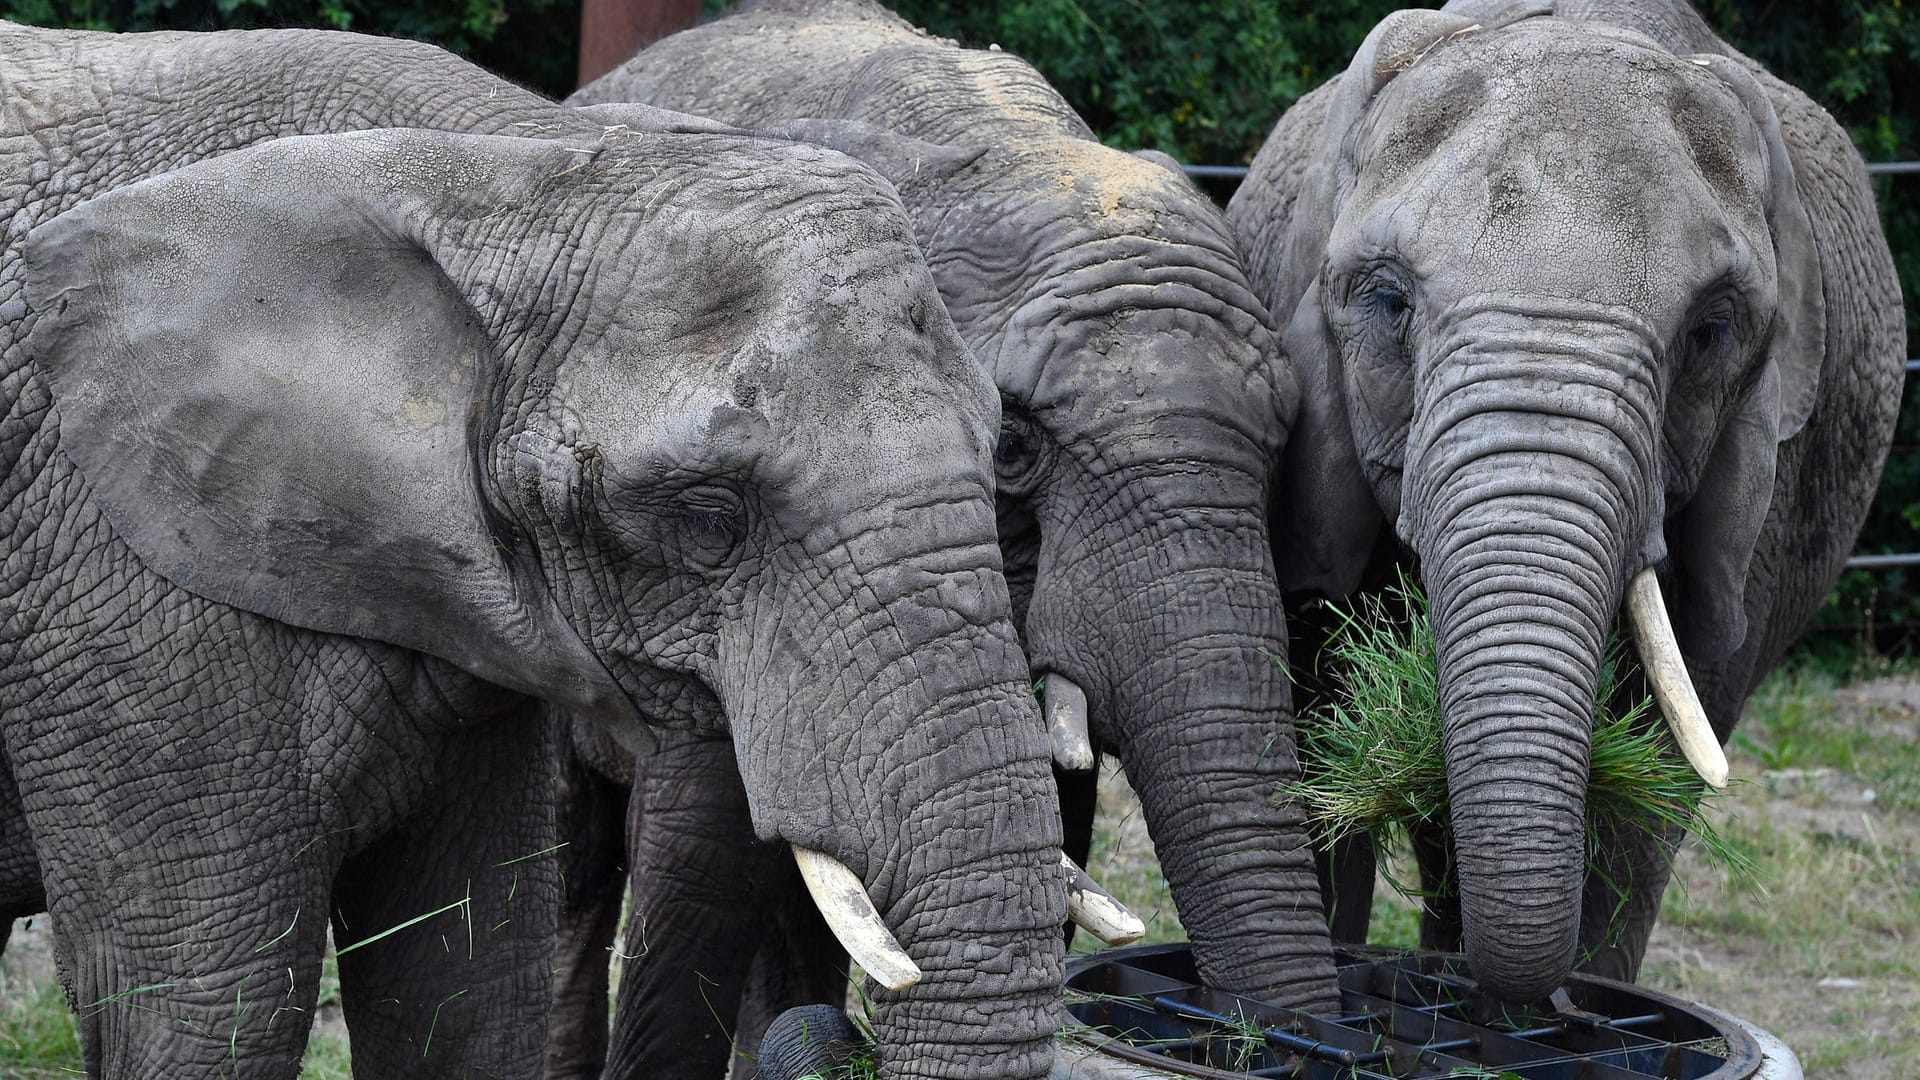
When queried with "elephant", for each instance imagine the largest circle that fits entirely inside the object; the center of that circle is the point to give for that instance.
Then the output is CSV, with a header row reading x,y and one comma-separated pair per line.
x,y
340,450
1585,305
1144,407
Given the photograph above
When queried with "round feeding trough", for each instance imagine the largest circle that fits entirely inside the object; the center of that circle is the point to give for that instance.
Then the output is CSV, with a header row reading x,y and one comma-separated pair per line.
x,y
1144,1014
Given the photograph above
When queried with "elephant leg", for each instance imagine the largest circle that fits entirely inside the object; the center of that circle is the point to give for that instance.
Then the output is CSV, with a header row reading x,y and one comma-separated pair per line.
x,y
21,890
1622,898
184,853
1440,927
801,964
593,820
468,990
204,961
699,911
1346,870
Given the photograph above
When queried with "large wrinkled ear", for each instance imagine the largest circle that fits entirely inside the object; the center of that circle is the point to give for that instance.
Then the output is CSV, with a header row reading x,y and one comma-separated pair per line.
x,y
1798,345
1719,528
1322,542
279,398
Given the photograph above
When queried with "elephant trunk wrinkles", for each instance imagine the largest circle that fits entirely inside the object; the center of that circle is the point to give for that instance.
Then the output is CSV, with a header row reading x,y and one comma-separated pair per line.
x,y
1199,702
979,901
1525,510
940,799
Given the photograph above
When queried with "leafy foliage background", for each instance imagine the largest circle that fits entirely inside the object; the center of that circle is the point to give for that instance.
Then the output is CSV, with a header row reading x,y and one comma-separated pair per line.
x,y
1204,80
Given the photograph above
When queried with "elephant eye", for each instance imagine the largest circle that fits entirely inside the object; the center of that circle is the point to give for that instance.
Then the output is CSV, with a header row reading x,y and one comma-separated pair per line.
x,y
1707,334
1391,305
1708,338
1023,453
714,522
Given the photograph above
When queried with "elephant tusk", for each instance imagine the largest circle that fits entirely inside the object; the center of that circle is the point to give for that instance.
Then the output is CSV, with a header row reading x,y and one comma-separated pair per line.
x,y
1067,724
1094,910
1672,687
850,914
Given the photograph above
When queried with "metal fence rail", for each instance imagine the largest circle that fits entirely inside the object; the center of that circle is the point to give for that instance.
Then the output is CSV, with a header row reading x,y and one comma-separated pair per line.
x,y
1239,172
1874,168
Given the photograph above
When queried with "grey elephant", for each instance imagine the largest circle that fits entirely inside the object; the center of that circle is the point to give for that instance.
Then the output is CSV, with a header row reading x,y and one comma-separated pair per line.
x,y
1144,409
1586,307
330,462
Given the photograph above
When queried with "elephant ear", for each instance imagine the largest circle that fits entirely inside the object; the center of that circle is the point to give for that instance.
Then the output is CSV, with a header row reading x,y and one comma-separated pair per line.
x,y
1798,345
280,400
1322,542
1720,527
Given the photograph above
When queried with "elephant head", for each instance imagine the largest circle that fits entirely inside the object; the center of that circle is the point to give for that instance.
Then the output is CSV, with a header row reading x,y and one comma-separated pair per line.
x,y
673,427
1143,411
1555,302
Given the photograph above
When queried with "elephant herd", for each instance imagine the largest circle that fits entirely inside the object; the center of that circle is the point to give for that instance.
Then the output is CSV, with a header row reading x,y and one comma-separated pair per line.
x,y
430,510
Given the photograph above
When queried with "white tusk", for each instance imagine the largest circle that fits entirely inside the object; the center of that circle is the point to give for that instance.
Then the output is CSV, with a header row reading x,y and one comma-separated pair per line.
x,y
1067,724
1672,688
850,914
1094,910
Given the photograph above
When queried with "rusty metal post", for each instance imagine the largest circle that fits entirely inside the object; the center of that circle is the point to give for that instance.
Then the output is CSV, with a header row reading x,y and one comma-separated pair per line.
x,y
612,30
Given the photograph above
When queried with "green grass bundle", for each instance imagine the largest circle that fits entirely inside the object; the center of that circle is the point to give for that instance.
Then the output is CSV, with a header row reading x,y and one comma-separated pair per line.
x,y
1372,760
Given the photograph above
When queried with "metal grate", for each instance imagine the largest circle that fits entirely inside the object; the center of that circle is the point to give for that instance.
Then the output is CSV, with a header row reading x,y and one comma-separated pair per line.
x,y
1403,1016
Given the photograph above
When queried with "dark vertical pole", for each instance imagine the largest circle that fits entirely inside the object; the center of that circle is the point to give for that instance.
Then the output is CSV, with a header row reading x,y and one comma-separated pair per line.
x,y
612,30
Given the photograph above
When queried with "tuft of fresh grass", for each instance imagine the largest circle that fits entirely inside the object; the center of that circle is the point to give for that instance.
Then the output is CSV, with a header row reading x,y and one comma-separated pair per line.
x,y
1373,762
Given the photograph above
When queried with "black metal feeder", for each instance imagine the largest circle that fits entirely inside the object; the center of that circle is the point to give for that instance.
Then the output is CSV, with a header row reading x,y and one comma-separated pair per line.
x,y
1144,1014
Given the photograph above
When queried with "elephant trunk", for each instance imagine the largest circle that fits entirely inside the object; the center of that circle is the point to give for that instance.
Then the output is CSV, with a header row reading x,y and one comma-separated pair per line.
x,y
883,718
1195,698
1526,500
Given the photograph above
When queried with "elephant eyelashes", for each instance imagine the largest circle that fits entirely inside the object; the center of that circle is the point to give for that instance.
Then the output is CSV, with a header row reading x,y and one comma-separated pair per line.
x,y
1707,335
1708,340
714,521
1021,456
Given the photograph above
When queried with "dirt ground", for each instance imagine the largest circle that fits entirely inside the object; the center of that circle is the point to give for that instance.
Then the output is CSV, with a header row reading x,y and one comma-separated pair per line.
x,y
1828,958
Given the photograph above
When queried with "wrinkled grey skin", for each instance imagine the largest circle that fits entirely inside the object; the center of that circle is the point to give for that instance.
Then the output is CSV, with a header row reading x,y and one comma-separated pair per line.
x,y
1571,297
1144,409
313,448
